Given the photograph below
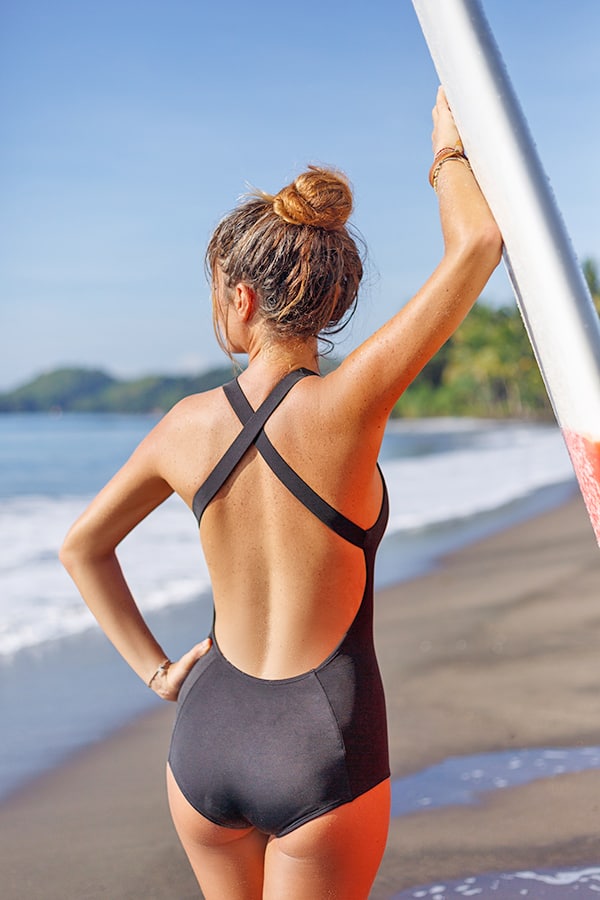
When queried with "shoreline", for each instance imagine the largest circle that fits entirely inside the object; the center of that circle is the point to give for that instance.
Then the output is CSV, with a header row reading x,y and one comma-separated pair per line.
x,y
498,651
494,649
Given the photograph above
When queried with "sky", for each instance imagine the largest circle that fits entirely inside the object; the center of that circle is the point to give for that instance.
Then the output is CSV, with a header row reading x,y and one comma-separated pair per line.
x,y
129,127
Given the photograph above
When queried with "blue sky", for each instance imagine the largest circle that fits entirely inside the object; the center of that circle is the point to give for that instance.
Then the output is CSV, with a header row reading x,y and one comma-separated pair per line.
x,y
130,126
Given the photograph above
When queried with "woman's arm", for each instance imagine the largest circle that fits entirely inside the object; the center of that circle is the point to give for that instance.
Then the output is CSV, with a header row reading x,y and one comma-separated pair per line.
x,y
374,376
88,554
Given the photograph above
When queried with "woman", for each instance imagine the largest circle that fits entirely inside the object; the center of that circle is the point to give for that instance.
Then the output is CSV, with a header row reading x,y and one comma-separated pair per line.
x,y
278,775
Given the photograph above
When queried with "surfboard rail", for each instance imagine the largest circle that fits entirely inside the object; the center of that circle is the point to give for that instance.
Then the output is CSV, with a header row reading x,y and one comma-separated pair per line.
x,y
551,292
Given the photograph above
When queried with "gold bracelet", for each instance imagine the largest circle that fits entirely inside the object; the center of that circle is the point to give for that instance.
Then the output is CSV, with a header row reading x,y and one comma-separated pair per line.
x,y
436,170
164,667
441,156
458,148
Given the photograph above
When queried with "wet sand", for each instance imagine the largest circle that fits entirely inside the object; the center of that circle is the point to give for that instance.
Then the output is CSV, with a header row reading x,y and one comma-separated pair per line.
x,y
497,649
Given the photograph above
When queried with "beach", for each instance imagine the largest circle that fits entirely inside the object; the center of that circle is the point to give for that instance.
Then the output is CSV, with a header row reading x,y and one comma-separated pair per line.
x,y
494,650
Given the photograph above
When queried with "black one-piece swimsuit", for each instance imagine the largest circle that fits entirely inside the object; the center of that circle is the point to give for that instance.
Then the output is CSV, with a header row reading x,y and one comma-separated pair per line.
x,y
275,754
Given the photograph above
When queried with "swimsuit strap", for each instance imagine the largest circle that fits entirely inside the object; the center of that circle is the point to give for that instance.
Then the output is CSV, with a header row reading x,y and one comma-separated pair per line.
x,y
252,427
326,513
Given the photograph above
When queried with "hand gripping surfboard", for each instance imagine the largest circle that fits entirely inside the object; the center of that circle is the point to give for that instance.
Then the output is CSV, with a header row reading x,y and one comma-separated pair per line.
x,y
551,293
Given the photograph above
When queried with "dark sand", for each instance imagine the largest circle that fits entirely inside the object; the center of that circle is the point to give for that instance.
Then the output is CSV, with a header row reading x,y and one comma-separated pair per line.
x,y
498,649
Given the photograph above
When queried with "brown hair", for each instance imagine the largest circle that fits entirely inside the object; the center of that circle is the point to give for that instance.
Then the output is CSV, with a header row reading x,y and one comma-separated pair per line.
x,y
296,251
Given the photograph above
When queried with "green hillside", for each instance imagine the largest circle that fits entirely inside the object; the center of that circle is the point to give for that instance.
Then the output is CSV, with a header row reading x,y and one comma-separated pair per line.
x,y
91,390
487,368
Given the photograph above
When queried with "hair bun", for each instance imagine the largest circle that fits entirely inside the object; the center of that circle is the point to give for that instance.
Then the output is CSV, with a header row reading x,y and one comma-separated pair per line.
x,y
318,197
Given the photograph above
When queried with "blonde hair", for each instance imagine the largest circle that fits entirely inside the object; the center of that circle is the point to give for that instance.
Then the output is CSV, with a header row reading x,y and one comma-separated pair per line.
x,y
296,251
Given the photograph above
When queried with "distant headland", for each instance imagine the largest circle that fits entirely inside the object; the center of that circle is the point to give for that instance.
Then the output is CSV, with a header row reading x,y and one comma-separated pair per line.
x,y
93,390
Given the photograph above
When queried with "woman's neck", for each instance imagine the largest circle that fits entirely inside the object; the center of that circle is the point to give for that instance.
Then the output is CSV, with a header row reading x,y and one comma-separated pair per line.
x,y
274,359
269,364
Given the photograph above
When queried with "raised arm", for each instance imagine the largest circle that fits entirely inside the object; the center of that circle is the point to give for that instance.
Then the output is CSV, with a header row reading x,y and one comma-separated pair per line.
x,y
373,377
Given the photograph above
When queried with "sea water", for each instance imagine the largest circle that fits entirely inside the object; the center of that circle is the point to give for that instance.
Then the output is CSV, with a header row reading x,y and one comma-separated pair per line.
x,y
450,481
541,885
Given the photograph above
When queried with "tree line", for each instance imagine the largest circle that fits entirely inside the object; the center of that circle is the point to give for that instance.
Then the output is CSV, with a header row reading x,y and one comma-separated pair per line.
x,y
487,368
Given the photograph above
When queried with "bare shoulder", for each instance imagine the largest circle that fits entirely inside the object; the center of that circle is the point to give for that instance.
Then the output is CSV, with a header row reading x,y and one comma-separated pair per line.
x,y
182,443
332,409
348,395
196,411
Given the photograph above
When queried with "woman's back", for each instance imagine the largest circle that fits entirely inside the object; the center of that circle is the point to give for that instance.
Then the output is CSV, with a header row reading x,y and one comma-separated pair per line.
x,y
286,586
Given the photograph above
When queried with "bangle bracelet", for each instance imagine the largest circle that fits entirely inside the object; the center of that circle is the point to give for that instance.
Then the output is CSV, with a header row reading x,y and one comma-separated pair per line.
x,y
441,156
435,169
458,148
164,667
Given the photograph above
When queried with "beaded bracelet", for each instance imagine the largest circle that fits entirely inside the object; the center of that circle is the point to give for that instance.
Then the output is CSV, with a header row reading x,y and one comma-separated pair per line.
x,y
164,667
435,169
441,156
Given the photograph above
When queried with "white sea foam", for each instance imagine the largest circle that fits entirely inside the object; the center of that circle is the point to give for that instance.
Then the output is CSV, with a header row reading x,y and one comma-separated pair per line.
x,y
502,465
454,469
38,601
559,883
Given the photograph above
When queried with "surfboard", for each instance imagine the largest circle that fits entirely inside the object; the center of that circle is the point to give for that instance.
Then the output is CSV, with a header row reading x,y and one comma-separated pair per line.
x,y
549,286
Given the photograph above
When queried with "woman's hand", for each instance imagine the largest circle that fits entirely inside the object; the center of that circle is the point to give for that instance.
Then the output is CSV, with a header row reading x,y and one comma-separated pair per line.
x,y
167,683
445,132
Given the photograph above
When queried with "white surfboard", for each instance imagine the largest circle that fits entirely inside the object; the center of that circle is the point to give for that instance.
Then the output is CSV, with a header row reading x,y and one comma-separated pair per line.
x,y
551,292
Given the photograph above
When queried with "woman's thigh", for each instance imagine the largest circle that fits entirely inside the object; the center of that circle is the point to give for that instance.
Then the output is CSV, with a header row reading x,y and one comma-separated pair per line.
x,y
227,862
336,855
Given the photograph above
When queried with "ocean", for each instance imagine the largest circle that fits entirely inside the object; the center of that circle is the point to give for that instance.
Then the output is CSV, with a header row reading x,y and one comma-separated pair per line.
x,y
451,481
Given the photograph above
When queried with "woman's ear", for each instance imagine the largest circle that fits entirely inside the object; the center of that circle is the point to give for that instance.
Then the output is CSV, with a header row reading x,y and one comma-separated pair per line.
x,y
244,301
